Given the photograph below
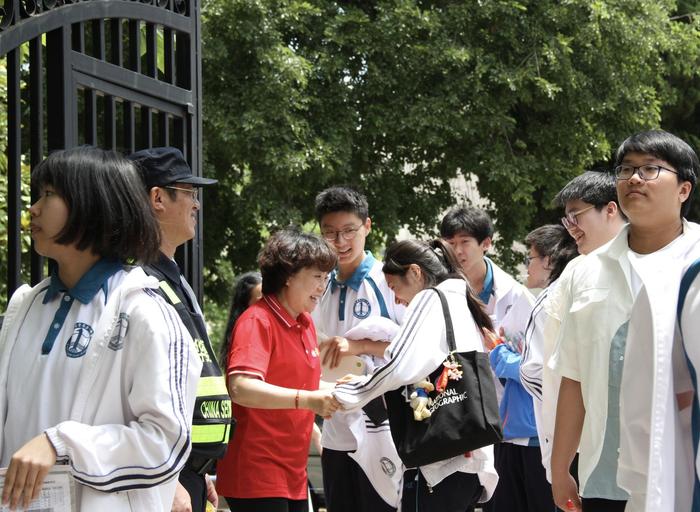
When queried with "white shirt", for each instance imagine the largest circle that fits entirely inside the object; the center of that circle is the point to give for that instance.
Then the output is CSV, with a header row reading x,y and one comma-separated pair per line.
x,y
655,463
602,299
342,307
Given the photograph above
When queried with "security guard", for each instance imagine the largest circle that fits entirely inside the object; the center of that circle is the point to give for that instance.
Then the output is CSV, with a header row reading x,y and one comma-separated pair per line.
x,y
173,193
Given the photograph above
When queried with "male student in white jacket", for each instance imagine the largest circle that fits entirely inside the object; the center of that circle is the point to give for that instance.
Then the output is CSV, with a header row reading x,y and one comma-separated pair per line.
x,y
592,218
470,231
656,173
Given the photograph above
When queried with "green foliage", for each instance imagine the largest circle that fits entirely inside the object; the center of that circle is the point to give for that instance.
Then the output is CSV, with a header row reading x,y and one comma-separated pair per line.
x,y
398,97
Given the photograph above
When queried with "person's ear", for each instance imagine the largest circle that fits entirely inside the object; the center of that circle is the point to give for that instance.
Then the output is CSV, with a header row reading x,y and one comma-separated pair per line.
x,y
155,196
545,262
486,244
684,192
416,271
368,225
611,209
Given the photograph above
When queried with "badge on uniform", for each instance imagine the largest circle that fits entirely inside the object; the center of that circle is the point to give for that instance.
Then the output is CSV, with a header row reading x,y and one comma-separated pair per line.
x,y
361,308
78,343
116,342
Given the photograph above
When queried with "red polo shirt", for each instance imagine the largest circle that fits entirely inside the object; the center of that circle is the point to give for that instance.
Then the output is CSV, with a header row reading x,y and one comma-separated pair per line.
x,y
268,453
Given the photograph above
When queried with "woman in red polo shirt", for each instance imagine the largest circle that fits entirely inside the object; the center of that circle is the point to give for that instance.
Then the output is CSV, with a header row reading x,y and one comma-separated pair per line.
x,y
273,378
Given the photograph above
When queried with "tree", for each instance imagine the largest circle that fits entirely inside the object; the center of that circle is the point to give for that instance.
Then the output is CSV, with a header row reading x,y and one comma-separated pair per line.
x,y
398,97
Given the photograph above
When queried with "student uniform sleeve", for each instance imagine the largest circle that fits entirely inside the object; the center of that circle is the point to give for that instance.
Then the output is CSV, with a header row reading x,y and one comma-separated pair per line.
x,y
159,369
416,351
505,363
564,358
533,354
251,346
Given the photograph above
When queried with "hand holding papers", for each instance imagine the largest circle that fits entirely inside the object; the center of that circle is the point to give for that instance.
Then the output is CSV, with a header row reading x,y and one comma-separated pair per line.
x,y
57,494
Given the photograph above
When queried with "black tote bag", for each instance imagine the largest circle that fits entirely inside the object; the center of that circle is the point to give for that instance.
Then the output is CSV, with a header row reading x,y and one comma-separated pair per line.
x,y
464,415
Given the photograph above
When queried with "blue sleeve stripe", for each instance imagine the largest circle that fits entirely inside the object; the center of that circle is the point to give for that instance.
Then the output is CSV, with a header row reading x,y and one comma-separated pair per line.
x,y
156,474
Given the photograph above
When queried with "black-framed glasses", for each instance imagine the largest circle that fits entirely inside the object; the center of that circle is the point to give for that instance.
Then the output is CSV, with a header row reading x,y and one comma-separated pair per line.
x,y
331,235
570,220
191,191
647,172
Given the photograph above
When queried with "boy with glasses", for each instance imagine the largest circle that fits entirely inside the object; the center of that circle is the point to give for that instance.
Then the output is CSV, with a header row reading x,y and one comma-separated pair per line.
x,y
361,470
172,191
593,218
605,288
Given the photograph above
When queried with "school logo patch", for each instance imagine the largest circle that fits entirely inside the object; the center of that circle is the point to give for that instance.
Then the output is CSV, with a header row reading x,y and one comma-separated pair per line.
x,y
116,342
388,467
78,343
361,308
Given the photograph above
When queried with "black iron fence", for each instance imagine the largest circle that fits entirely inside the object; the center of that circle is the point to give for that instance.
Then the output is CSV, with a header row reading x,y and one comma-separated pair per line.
x,y
117,74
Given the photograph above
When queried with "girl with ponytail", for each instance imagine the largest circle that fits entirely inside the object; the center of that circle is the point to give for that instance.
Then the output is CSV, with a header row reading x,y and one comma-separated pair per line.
x,y
411,268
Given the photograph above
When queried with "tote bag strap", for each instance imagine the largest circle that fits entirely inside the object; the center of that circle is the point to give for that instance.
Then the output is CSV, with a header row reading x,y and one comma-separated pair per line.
x,y
448,321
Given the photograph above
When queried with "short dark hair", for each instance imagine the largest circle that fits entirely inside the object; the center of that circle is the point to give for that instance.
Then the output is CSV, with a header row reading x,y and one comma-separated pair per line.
x,y
466,220
593,187
341,199
239,303
554,241
438,262
109,212
287,252
668,147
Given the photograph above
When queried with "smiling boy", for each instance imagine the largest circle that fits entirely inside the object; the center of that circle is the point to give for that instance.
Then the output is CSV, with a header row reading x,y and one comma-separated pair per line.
x,y
656,173
359,474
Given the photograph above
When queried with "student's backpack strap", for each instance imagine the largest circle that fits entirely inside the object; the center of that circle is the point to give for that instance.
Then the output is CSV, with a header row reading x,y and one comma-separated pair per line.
x,y
687,280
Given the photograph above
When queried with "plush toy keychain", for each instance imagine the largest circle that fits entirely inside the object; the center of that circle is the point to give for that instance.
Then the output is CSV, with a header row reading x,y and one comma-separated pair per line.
x,y
420,401
450,372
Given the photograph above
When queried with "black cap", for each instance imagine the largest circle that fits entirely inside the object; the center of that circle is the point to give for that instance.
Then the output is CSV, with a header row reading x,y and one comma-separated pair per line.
x,y
164,166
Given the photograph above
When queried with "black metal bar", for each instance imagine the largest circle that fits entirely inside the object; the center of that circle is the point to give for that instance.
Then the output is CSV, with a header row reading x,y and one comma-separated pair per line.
x,y
90,117
109,73
164,128
78,37
151,51
146,128
116,46
129,128
169,55
36,134
98,39
14,171
110,122
183,62
60,93
36,101
135,45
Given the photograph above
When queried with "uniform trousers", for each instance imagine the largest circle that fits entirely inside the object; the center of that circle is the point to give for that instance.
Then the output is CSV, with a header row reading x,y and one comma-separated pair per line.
x,y
346,487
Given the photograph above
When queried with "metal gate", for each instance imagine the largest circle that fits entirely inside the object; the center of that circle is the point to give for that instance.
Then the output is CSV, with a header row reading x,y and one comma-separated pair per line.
x,y
119,74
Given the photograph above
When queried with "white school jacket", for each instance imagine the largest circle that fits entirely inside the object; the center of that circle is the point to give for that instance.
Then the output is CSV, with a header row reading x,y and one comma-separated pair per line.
x,y
535,374
128,434
653,447
417,350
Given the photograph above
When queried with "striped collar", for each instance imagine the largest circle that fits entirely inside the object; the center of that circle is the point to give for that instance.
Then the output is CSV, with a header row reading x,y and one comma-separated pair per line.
x,y
283,315
357,277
